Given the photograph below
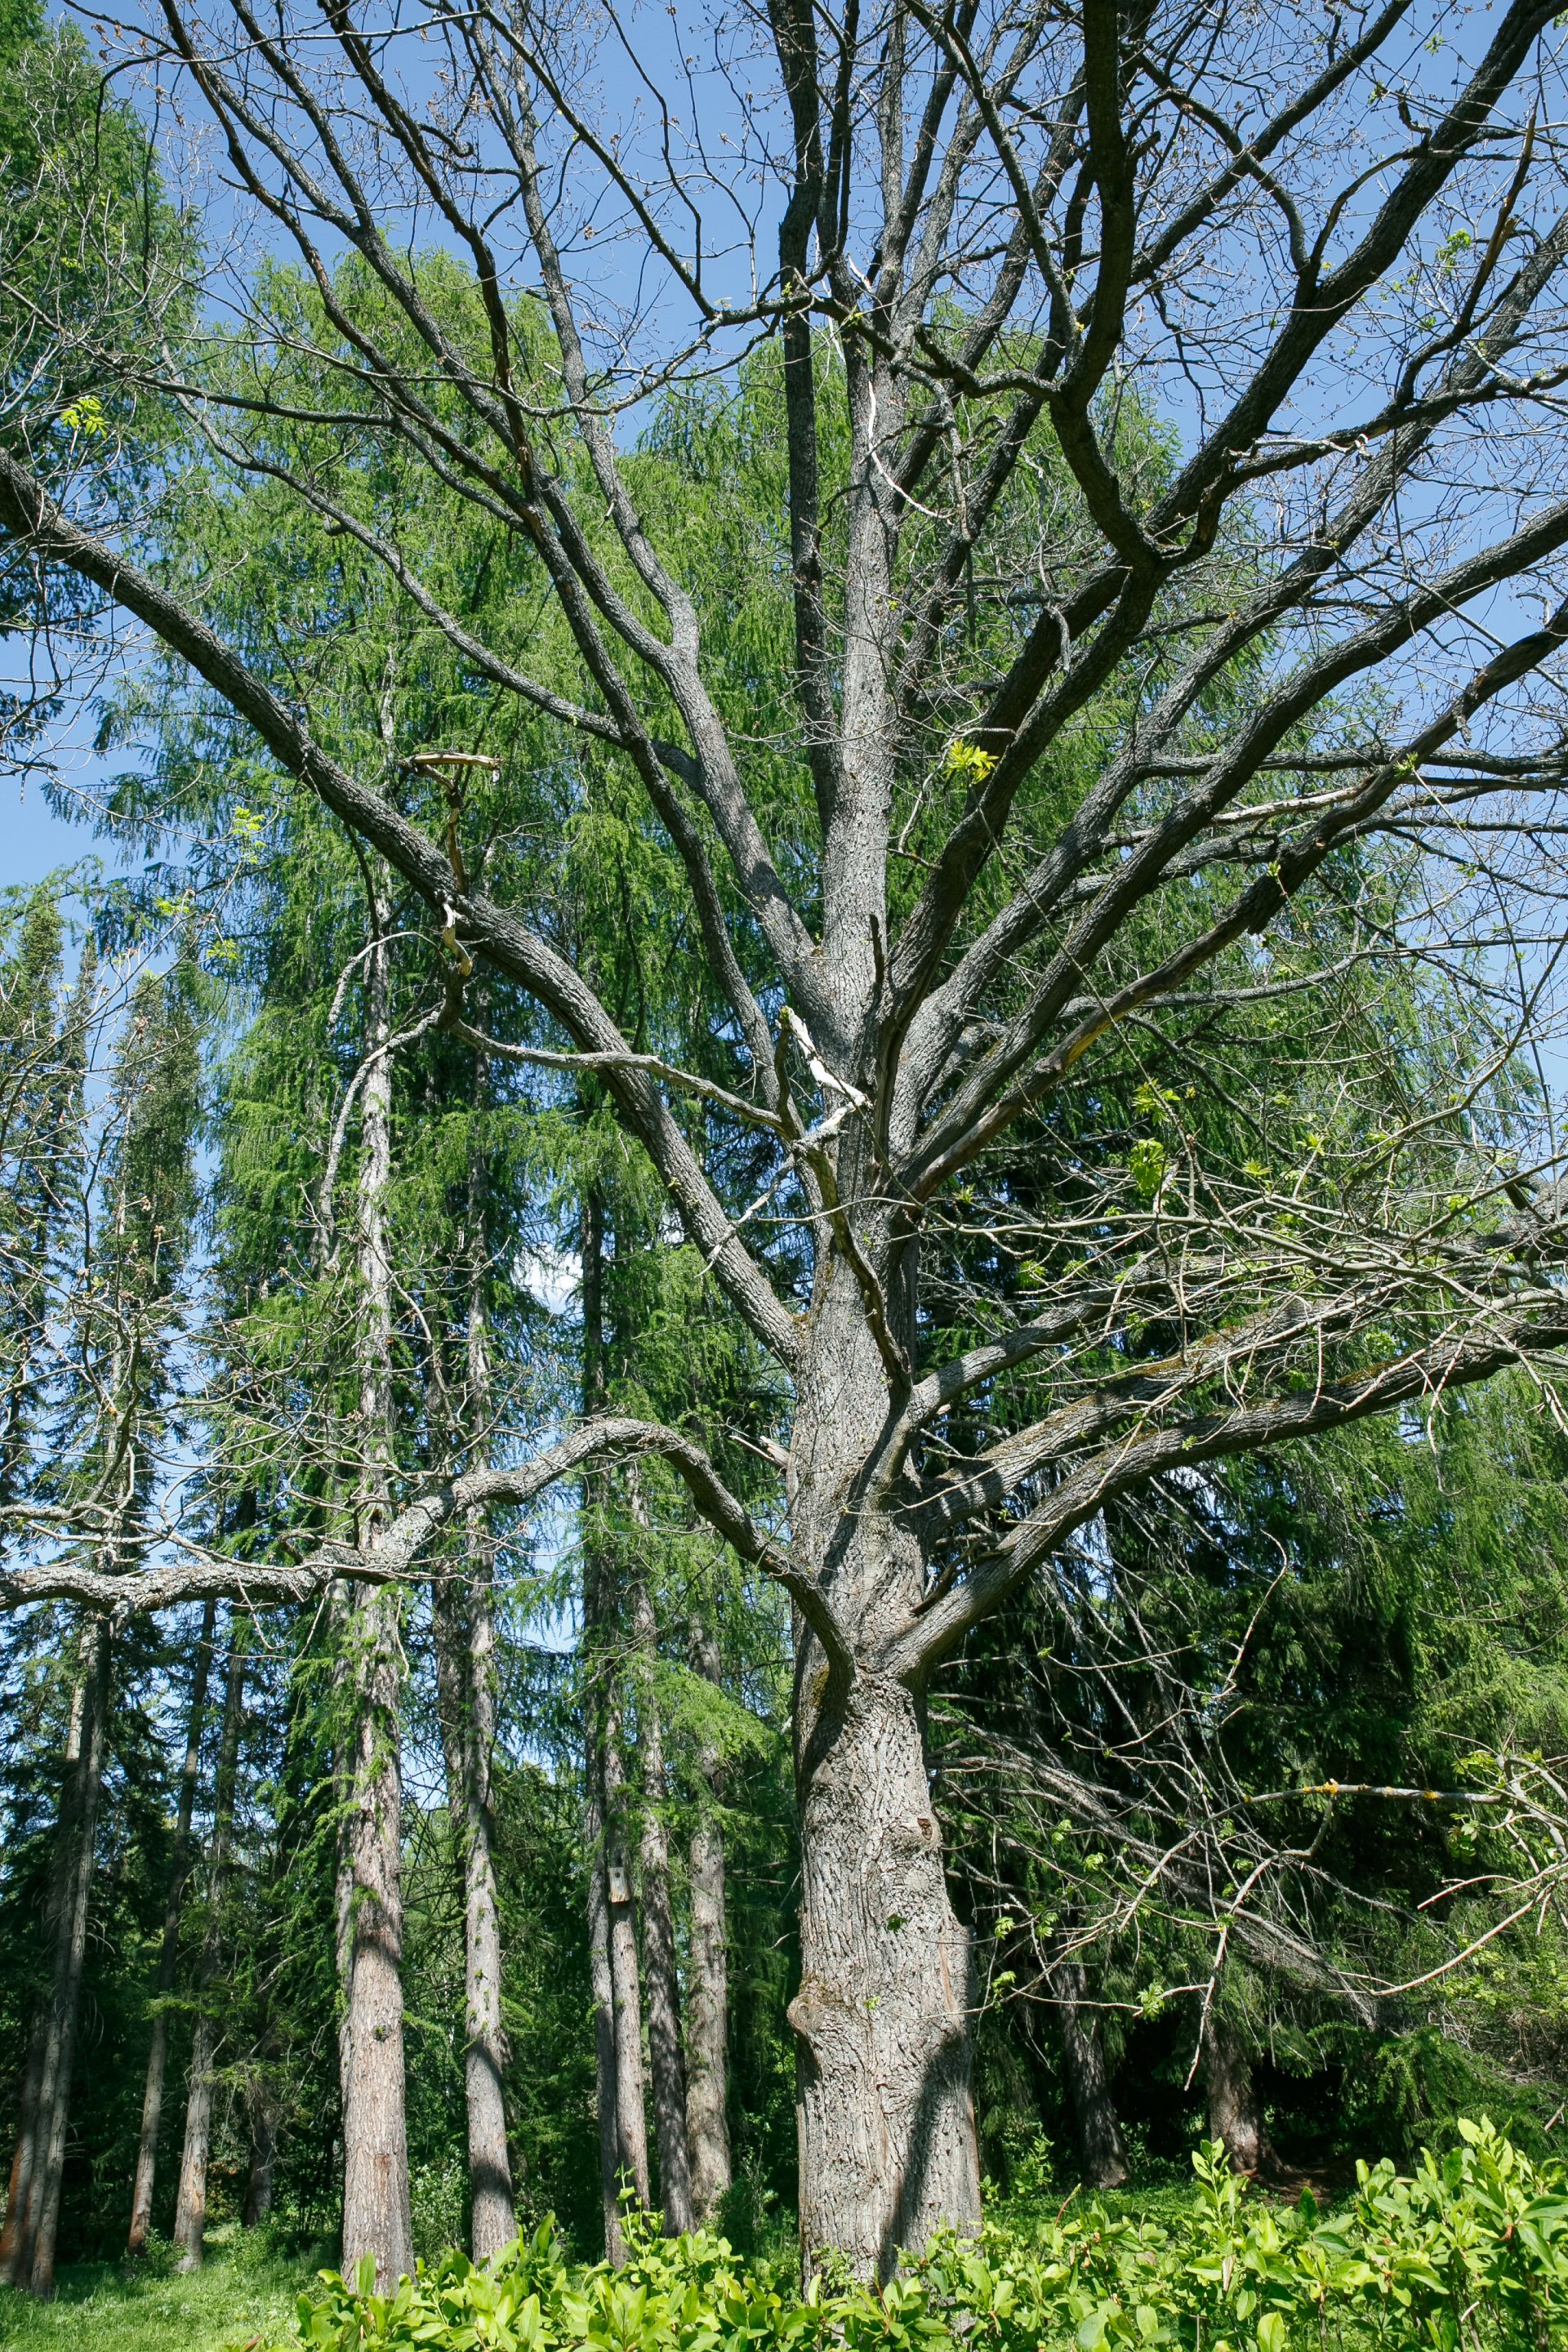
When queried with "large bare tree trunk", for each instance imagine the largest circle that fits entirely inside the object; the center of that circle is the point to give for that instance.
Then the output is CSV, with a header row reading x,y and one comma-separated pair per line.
x,y
885,2113
191,2200
667,2064
708,2001
377,2220
169,1950
33,2225
1083,2062
1234,2117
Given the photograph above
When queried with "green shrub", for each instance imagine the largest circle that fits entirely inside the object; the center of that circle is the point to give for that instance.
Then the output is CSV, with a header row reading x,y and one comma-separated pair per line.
x,y
1470,2252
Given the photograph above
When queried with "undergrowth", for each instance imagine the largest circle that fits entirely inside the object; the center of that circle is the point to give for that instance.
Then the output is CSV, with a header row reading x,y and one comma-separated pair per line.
x,y
1467,2254
1471,2251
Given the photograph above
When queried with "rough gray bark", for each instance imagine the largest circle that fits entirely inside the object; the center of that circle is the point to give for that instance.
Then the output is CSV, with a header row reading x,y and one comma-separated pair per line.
x,y
377,2220
169,1950
623,2127
631,2106
1234,2117
191,2198
602,1986
1083,2062
465,1673
708,1998
666,2062
885,2115
36,2176
469,1673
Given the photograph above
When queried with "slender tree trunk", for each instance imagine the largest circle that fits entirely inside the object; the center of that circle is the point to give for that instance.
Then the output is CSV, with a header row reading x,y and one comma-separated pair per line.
x,y
667,2064
1083,2062
262,2119
191,2201
465,1628
465,1672
1234,2117
612,1933
40,2174
631,2111
169,1951
884,2111
708,2003
602,1986
377,2220
13,2266
16,2241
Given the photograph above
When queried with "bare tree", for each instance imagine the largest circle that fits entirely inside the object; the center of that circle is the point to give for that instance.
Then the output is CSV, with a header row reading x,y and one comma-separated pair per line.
x,y
1171,561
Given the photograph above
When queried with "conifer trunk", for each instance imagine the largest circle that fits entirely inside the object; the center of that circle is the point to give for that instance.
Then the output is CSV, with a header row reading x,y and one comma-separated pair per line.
x,y
23,2156
612,1934
667,2064
259,2179
191,2200
465,1672
377,2220
1234,2116
595,1825
33,2226
708,2003
601,1985
17,2240
465,1630
1083,2062
169,1950
631,2109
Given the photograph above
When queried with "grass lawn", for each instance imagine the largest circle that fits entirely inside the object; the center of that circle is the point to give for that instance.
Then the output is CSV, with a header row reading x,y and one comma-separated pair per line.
x,y
244,2288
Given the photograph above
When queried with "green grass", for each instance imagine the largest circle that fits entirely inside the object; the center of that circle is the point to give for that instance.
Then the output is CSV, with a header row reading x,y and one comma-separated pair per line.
x,y
246,2286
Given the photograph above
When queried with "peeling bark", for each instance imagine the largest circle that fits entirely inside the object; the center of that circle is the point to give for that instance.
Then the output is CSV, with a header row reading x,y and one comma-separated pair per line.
x,y
169,1950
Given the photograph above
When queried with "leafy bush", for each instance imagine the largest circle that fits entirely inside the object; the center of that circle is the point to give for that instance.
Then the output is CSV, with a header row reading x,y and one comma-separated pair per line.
x,y
1471,2251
